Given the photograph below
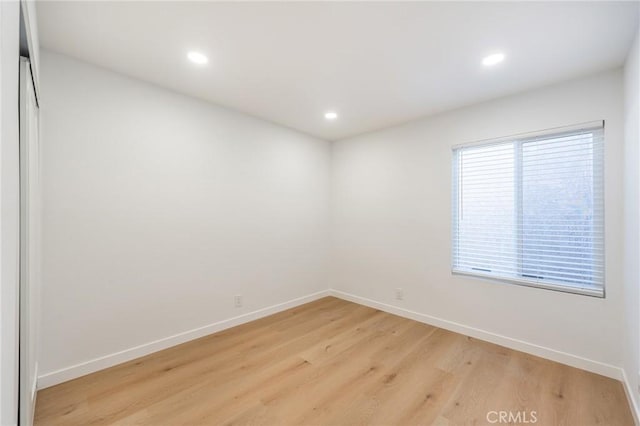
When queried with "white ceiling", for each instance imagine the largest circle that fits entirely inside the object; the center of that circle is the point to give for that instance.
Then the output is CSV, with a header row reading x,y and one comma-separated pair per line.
x,y
376,64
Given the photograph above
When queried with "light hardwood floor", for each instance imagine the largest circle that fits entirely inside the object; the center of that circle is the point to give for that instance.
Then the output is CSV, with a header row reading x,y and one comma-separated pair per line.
x,y
332,362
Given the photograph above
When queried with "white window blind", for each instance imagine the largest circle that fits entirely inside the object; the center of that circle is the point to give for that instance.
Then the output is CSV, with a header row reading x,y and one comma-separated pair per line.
x,y
529,209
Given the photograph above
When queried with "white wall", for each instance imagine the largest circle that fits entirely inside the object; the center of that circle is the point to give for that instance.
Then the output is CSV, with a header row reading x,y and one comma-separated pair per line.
x,y
159,208
392,219
631,352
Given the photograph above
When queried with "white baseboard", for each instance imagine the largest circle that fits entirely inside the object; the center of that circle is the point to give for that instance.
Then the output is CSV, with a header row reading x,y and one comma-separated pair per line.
x,y
91,366
78,370
629,391
519,345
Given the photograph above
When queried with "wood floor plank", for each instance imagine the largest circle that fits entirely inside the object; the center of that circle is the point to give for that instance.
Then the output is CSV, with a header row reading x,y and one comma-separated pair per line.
x,y
332,362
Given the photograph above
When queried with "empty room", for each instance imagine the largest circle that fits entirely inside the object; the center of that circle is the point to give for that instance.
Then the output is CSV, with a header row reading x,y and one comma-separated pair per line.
x,y
319,213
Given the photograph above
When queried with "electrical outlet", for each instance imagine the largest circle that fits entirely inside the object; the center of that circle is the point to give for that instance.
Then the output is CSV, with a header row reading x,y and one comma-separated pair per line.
x,y
238,300
399,294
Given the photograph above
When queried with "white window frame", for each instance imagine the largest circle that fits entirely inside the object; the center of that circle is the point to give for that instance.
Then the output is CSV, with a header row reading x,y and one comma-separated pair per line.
x,y
519,140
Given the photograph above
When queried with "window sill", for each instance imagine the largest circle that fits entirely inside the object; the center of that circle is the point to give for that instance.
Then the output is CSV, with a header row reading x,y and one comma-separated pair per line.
x,y
584,291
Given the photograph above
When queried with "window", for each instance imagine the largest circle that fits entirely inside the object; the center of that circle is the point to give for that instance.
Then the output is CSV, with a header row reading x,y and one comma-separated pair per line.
x,y
529,210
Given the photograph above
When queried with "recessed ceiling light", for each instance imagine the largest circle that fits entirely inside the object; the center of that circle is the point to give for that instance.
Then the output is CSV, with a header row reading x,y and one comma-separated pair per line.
x,y
493,59
197,58
331,115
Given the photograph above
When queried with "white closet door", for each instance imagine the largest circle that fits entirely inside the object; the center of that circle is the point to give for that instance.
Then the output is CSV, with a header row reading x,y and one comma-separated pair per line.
x,y
29,243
